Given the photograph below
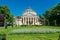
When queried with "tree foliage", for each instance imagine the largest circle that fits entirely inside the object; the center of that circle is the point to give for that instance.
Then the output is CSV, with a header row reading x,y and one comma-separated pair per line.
x,y
6,13
52,15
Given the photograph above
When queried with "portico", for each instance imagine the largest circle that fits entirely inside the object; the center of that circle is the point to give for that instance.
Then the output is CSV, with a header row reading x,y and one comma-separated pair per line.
x,y
29,20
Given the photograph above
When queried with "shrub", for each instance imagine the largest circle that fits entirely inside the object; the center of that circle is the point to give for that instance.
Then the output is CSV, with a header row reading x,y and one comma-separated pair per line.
x,y
2,36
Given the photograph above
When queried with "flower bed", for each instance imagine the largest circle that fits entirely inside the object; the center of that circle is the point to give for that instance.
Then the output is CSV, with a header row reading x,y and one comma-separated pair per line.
x,y
34,30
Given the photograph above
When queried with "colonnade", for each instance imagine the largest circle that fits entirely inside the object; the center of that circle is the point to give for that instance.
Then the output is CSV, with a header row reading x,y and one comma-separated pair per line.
x,y
28,20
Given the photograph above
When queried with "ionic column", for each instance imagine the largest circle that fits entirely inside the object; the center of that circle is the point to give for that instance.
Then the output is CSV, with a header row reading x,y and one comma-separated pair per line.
x,y
28,21
33,20
23,20
37,20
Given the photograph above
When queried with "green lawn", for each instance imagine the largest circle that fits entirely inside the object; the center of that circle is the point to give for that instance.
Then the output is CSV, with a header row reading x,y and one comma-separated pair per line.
x,y
33,37
29,36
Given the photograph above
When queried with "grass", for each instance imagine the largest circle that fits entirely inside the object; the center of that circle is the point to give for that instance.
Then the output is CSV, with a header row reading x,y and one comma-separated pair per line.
x,y
33,37
29,36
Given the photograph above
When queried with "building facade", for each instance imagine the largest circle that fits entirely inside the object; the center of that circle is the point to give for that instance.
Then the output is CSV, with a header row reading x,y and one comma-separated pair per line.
x,y
29,17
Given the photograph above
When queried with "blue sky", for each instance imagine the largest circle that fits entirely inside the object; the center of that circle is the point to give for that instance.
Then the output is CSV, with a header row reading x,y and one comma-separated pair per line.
x,y
18,6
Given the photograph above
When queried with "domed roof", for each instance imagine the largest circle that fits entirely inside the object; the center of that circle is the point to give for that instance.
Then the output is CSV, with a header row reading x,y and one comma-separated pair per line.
x,y
29,12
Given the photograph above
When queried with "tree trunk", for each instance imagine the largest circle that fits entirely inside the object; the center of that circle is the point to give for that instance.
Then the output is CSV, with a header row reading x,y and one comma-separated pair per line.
x,y
5,24
59,37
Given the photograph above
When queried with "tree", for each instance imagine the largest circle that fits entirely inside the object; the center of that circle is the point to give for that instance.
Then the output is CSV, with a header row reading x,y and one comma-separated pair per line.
x,y
41,19
53,15
6,13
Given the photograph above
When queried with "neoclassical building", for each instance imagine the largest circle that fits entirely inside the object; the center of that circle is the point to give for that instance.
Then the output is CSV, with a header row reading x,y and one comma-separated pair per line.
x,y
29,17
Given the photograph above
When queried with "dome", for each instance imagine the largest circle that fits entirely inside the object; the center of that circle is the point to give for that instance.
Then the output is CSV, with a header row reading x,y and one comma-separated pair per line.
x,y
29,12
